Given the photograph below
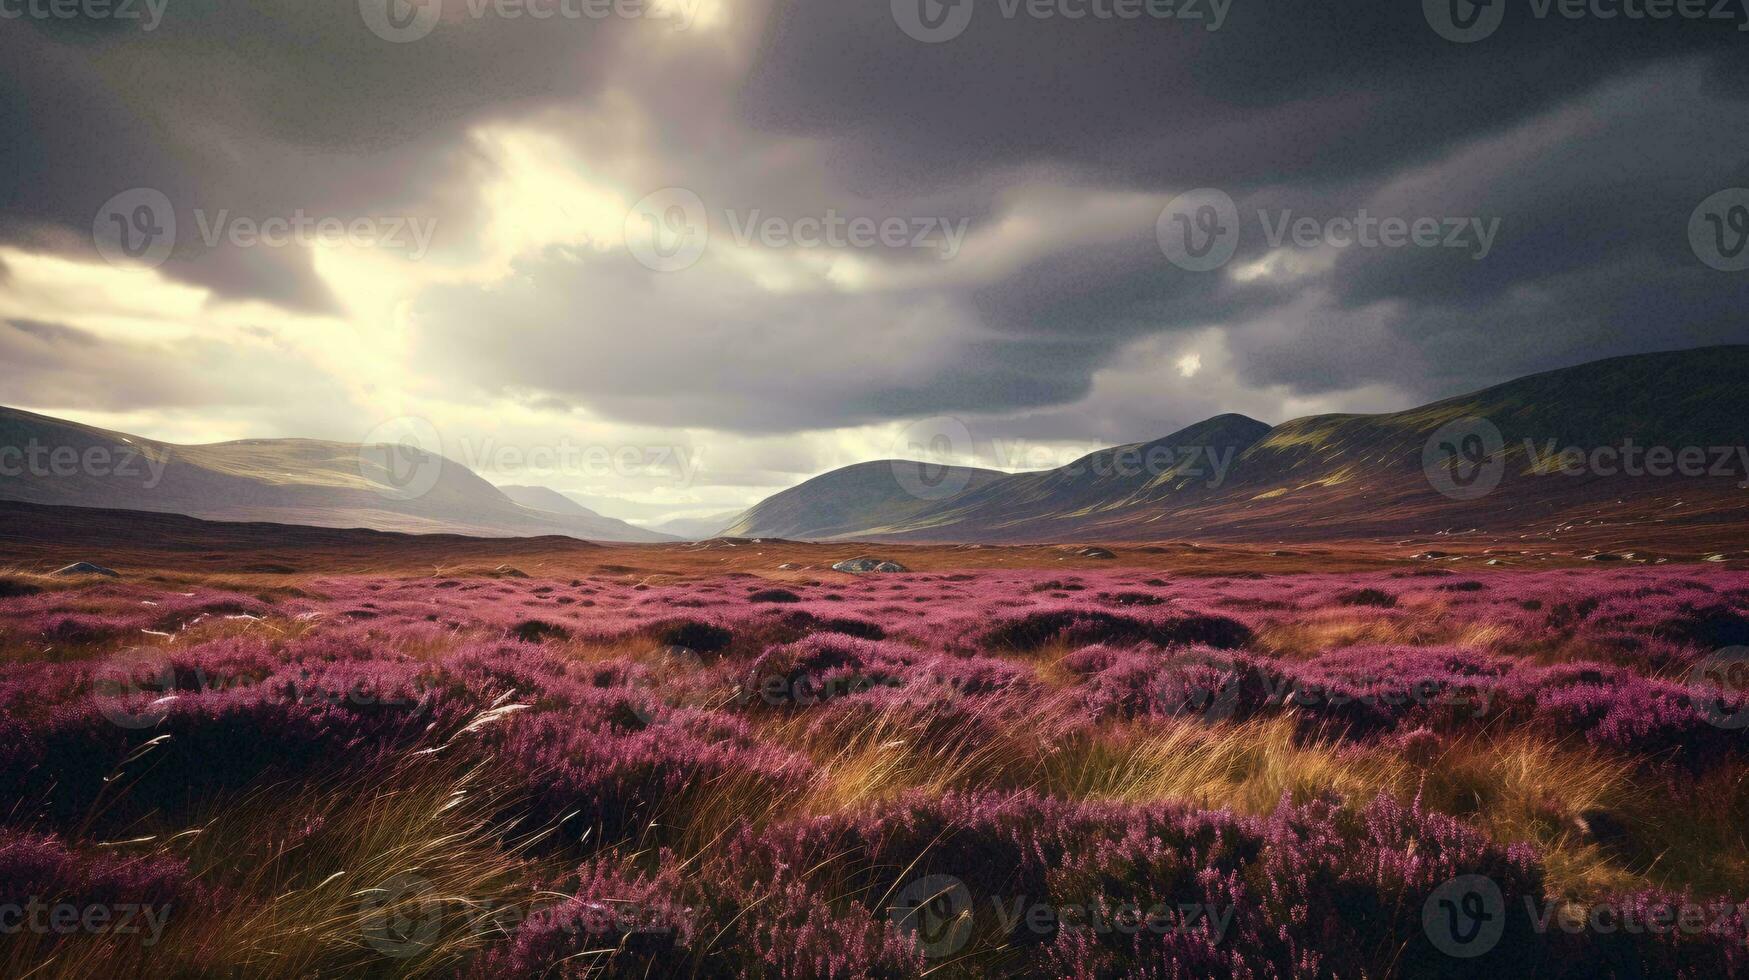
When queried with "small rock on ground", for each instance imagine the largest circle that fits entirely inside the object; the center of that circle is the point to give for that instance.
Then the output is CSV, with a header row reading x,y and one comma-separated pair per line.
x,y
87,568
864,563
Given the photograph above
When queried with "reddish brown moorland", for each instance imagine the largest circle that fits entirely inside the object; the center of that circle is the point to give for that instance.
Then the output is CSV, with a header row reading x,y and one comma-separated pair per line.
x,y
328,752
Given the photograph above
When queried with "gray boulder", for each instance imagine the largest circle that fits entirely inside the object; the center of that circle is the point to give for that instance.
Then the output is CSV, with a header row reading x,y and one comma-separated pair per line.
x,y
1087,551
863,564
86,568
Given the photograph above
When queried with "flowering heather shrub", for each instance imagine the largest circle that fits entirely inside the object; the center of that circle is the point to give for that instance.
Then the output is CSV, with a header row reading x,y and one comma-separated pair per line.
x,y
634,716
1721,949
1367,597
535,630
132,898
209,719
1621,711
607,782
1711,626
1080,625
692,634
612,906
11,588
823,666
110,612
1364,692
1315,890
35,865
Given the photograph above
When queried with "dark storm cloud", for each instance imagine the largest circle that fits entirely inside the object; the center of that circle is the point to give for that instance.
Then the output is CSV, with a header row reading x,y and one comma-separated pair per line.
x,y
1589,140
703,348
56,367
1315,92
1592,257
261,109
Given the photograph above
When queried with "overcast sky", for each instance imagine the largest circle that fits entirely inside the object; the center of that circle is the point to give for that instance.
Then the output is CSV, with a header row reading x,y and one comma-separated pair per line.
x,y
765,239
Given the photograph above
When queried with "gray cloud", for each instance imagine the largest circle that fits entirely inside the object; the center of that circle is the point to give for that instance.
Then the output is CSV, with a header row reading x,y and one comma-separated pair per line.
x,y
60,369
1056,140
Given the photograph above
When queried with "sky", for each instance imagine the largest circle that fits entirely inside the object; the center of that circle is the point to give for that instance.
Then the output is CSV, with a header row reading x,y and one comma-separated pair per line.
x,y
675,255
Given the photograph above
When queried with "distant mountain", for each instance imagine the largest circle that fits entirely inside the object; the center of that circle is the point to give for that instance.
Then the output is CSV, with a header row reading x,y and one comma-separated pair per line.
x,y
1348,476
551,501
45,460
868,498
698,528
1123,479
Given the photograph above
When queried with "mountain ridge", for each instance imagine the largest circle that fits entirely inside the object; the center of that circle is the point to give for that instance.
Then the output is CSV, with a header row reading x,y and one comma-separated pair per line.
x,y
1350,474
309,482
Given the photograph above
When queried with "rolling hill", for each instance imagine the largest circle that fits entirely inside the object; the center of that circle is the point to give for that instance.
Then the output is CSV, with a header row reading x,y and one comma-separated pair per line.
x,y
311,482
698,528
858,500
1352,476
549,501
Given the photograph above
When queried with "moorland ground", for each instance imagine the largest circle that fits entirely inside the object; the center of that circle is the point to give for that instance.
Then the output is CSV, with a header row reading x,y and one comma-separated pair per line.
x,y
291,752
